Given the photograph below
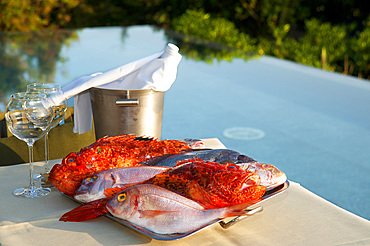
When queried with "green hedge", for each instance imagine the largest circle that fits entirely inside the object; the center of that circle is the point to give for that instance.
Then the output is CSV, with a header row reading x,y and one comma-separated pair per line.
x,y
323,45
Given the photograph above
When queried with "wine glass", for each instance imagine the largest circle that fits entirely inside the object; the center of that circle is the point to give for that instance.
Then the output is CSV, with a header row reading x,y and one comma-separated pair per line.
x,y
28,116
54,92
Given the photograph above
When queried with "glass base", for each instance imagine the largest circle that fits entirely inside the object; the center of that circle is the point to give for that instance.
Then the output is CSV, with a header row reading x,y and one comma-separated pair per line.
x,y
31,192
37,177
41,177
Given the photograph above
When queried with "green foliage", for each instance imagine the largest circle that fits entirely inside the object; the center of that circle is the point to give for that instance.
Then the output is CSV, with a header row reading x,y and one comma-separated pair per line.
x,y
360,53
271,15
219,30
199,49
19,15
323,46
311,32
337,12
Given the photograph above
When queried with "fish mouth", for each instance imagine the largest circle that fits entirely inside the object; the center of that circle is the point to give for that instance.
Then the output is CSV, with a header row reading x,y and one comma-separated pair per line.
x,y
279,180
82,190
86,196
80,193
82,198
110,209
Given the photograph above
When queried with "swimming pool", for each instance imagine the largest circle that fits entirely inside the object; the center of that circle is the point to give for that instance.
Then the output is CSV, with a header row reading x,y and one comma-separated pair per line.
x,y
312,124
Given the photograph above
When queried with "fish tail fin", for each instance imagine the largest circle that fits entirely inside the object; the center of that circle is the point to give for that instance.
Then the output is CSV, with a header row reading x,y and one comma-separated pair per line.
x,y
86,211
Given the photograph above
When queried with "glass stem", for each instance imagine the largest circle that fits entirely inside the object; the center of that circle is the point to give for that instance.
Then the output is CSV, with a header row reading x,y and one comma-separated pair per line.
x,y
46,152
30,160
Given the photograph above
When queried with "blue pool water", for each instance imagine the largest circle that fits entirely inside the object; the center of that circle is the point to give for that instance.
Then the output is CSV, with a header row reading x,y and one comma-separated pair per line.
x,y
312,124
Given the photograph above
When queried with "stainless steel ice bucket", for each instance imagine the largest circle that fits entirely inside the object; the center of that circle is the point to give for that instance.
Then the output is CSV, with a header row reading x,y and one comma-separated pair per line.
x,y
118,112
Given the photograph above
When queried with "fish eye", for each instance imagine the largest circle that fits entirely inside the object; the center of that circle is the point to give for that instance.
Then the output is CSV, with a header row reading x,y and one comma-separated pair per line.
x,y
91,179
121,197
265,165
231,166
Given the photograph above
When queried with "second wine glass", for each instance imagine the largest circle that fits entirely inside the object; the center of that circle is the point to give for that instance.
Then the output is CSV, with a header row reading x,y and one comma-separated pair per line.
x,y
54,93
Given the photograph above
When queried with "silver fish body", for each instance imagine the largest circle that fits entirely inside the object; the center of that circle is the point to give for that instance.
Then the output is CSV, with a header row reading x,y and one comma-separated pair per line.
x,y
93,187
214,155
162,211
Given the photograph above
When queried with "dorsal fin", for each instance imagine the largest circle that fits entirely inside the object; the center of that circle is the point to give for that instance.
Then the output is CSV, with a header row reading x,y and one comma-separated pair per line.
x,y
111,192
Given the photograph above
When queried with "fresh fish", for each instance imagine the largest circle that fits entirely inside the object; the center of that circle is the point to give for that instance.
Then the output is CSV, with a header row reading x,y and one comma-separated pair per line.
x,y
214,155
100,183
165,212
212,184
271,176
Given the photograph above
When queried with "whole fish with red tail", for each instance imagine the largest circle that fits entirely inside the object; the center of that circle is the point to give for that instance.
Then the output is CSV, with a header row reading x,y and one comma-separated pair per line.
x,y
108,153
159,210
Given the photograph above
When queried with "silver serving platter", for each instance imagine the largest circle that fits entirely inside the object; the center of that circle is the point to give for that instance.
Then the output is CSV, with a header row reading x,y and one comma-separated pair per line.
x,y
175,236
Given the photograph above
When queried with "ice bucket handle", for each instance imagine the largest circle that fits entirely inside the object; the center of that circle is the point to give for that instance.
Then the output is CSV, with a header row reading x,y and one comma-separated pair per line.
x,y
127,102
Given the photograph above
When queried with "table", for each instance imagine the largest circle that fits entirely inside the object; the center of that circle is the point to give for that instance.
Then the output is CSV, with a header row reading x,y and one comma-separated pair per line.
x,y
295,217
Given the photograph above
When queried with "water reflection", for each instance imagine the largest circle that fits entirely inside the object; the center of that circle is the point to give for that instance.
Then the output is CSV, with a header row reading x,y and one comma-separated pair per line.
x,y
29,57
207,51
33,56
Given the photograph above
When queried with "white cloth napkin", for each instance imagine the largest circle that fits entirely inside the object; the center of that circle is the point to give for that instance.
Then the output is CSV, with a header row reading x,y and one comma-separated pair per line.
x,y
157,72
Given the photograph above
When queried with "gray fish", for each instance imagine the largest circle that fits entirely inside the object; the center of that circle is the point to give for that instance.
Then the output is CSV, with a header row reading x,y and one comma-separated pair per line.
x,y
214,155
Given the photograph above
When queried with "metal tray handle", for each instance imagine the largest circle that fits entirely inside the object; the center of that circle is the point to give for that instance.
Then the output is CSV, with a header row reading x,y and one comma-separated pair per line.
x,y
250,212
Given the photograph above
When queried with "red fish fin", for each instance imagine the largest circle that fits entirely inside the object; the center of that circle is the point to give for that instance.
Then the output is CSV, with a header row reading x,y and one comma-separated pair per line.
x,y
169,181
111,192
197,193
252,193
153,213
86,211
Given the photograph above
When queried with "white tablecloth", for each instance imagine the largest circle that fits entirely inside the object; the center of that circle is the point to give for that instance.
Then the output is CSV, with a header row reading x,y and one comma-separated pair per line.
x,y
295,217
